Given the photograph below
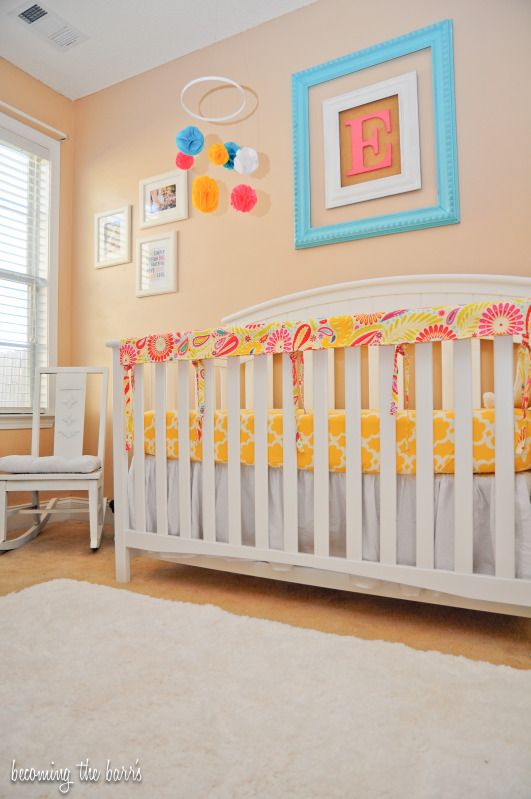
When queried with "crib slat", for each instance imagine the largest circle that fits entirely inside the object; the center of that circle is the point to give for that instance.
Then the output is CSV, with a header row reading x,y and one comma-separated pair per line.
x,y
320,454
504,463
424,481
353,476
463,471
140,460
160,454
289,472
222,384
261,489
373,354
248,369
387,459
183,420
270,400
447,369
233,435
171,384
331,380
208,462
475,344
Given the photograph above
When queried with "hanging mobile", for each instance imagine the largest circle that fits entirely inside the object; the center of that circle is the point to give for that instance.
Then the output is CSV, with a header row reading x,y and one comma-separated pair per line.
x,y
205,79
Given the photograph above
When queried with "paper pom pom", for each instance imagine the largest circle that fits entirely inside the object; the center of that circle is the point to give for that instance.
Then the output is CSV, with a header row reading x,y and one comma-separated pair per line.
x,y
190,140
246,161
218,154
184,161
232,148
243,198
205,194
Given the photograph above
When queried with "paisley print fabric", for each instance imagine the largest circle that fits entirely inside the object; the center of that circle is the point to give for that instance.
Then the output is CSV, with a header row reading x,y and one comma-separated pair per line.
x,y
442,323
398,328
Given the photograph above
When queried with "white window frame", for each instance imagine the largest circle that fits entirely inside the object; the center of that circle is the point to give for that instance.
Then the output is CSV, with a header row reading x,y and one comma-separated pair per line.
x,y
26,136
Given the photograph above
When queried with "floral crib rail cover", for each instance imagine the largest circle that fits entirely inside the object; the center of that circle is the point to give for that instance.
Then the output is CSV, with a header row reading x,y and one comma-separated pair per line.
x,y
399,328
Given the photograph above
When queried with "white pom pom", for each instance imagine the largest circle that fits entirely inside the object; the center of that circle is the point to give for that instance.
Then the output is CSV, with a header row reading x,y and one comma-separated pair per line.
x,y
246,161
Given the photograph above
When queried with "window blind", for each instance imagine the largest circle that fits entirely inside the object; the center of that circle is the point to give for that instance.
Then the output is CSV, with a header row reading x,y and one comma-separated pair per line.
x,y
24,270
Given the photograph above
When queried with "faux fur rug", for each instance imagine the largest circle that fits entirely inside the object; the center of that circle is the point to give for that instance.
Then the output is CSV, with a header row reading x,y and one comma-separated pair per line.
x,y
201,704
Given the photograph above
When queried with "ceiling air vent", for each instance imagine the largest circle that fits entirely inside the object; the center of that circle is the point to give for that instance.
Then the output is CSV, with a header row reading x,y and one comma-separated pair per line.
x,y
32,14
50,26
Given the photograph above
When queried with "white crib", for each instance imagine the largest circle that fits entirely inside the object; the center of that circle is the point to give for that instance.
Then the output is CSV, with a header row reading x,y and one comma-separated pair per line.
x,y
226,386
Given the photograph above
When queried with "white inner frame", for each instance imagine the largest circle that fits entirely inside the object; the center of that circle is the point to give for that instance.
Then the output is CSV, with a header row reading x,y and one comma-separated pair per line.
x,y
171,266
409,179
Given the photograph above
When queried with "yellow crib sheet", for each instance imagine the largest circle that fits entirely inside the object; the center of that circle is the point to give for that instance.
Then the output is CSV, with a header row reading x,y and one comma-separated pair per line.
x,y
443,436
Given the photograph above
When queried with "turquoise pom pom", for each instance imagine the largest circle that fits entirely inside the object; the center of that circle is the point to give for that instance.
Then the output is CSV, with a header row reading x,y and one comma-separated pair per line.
x,y
232,149
190,140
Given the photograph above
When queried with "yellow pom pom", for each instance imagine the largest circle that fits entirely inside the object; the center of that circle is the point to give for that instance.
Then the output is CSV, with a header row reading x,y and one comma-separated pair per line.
x,y
218,154
205,194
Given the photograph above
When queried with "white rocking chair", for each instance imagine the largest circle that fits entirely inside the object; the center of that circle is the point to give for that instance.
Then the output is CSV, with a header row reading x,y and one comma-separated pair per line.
x,y
68,469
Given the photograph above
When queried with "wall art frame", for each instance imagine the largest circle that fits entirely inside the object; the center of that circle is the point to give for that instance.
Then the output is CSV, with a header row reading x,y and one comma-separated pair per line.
x,y
112,237
156,264
163,198
408,179
438,38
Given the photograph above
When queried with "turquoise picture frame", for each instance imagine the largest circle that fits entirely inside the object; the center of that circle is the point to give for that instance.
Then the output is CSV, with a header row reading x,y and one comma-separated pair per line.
x,y
439,39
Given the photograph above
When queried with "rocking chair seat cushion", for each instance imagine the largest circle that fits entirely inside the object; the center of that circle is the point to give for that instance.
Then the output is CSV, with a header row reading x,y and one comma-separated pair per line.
x,y
51,464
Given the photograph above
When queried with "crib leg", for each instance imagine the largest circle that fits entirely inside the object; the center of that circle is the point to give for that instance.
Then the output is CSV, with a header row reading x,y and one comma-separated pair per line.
x,y
122,559
122,553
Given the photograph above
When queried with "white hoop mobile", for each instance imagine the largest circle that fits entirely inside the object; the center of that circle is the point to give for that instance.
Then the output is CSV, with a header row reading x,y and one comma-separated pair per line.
x,y
205,79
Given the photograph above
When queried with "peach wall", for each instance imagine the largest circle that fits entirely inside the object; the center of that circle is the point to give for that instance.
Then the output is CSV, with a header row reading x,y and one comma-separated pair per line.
x,y
228,261
21,90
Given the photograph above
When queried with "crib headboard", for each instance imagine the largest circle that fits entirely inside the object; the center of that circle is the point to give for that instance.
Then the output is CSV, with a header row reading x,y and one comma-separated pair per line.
x,y
386,294
383,294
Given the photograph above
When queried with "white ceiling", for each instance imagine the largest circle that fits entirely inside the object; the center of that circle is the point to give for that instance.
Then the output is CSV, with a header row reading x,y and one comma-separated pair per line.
x,y
125,37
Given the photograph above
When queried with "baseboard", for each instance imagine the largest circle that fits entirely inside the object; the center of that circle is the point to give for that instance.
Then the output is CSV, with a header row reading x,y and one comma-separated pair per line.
x,y
73,504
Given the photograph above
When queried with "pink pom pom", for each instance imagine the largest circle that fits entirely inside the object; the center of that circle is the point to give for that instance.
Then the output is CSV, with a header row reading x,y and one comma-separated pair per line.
x,y
184,161
243,198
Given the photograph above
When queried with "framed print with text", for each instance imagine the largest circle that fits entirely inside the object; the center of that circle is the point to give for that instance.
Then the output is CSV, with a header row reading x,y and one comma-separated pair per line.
x,y
156,264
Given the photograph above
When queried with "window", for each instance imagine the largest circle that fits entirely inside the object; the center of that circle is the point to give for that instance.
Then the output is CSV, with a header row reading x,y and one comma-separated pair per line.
x,y
29,182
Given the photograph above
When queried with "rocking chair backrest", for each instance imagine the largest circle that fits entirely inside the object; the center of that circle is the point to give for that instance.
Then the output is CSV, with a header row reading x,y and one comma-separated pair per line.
x,y
70,396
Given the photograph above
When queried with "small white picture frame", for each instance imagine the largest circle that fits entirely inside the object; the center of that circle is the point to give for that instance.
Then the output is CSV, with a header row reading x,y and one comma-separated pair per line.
x,y
156,264
409,179
112,237
164,198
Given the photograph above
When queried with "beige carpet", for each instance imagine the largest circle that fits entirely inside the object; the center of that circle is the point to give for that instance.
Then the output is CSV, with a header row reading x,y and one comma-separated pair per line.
x,y
209,704
63,551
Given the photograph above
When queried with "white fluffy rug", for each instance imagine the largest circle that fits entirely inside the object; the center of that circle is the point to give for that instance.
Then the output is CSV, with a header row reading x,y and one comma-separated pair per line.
x,y
216,706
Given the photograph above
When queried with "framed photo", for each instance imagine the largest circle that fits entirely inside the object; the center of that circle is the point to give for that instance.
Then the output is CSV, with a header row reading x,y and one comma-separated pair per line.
x,y
112,237
374,140
164,198
156,264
